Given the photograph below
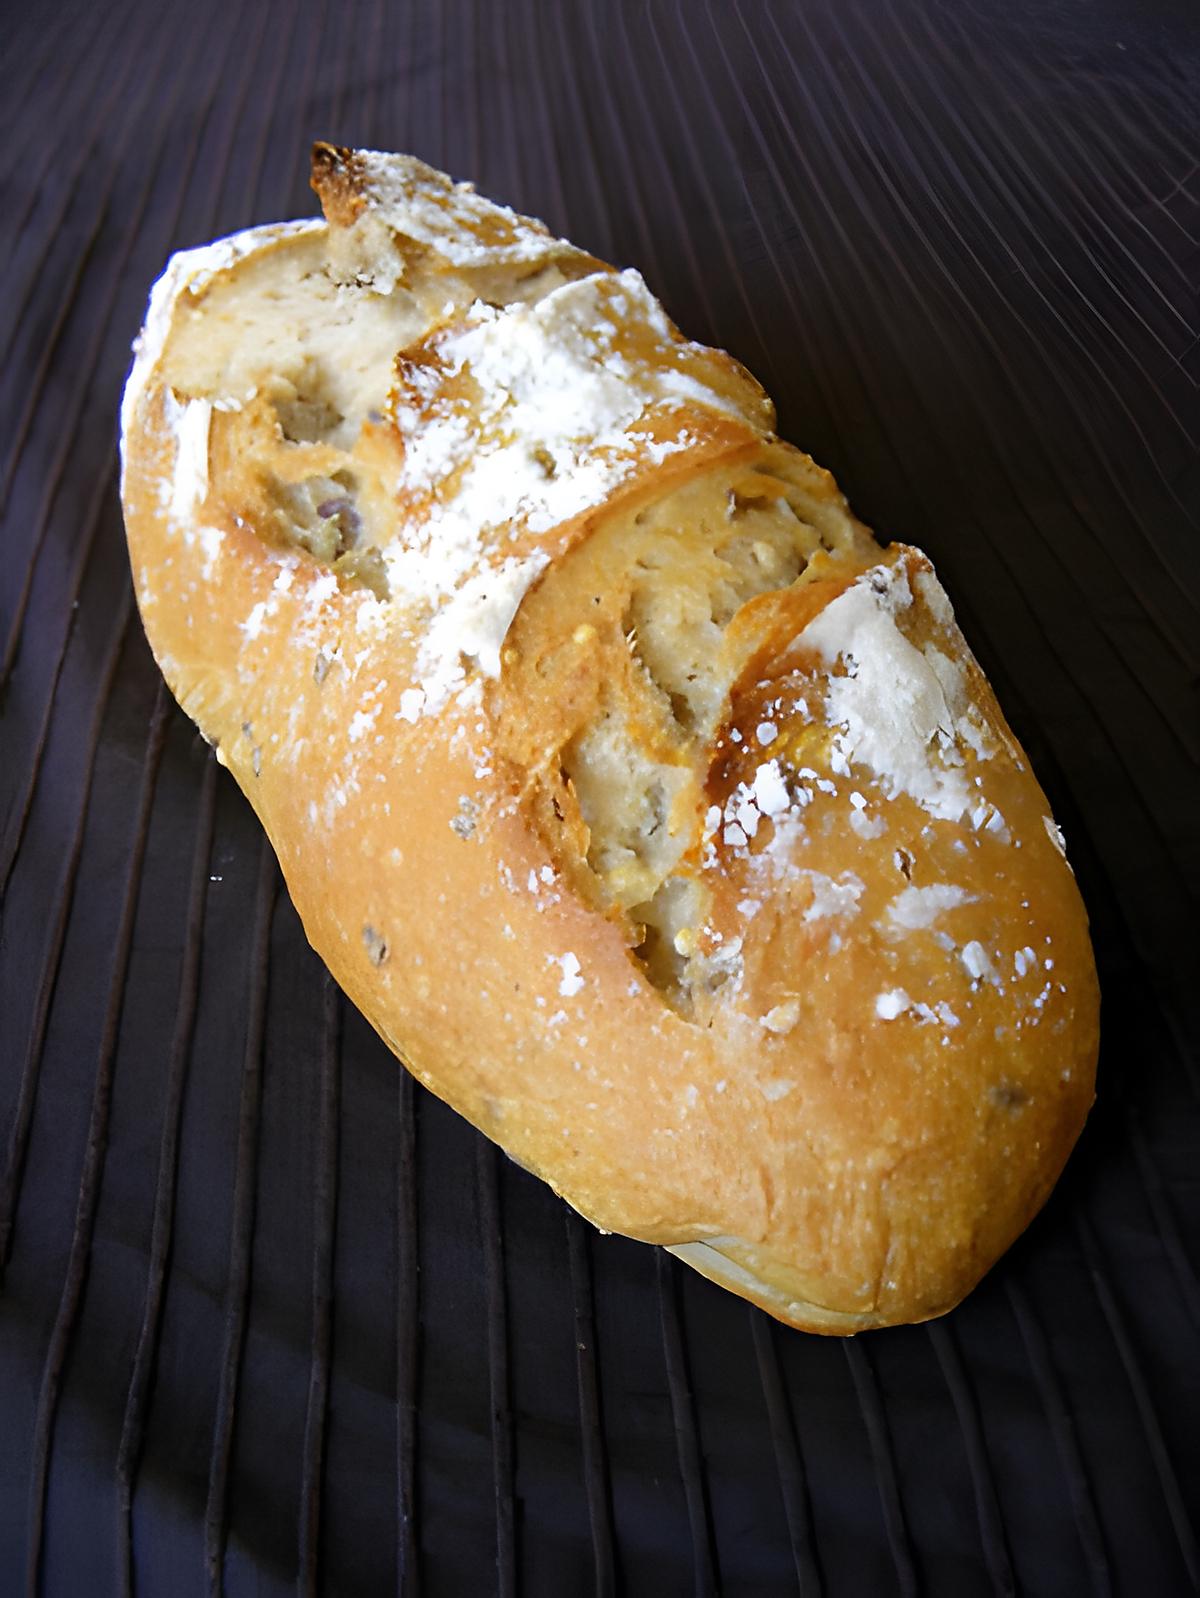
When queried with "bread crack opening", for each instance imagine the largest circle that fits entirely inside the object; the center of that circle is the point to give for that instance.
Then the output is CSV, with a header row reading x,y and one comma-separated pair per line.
x,y
323,515
306,407
294,347
638,686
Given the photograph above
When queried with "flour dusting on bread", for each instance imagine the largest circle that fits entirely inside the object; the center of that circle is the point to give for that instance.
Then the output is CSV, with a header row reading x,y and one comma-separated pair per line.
x,y
901,712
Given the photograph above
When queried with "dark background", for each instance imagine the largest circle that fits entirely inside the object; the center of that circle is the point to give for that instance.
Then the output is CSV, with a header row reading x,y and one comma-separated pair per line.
x,y
271,1315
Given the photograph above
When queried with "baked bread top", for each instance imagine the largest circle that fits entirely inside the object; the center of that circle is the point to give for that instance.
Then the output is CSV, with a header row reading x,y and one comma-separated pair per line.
x,y
658,818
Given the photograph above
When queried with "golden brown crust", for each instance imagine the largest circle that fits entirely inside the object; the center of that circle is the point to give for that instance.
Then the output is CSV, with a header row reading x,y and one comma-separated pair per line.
x,y
846,1078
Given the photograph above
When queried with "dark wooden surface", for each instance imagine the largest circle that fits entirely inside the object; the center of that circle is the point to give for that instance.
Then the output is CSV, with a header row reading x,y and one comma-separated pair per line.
x,y
271,1316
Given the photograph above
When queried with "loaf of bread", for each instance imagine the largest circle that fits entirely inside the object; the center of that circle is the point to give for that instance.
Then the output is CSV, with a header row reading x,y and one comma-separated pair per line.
x,y
659,819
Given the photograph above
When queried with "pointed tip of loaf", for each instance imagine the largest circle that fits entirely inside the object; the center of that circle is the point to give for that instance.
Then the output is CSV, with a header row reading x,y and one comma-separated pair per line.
x,y
428,209
336,179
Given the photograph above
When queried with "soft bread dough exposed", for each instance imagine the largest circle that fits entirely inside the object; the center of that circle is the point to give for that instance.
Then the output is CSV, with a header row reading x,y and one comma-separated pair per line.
x,y
657,818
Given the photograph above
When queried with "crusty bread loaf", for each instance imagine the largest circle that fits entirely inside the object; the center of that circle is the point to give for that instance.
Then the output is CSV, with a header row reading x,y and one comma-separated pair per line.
x,y
658,819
